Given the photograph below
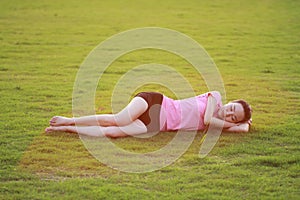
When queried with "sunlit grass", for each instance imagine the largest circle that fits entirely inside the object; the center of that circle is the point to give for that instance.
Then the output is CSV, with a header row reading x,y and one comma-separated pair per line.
x,y
255,46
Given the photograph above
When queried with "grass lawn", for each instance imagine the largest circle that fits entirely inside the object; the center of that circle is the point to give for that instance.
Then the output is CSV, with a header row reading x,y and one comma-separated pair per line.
x,y
255,45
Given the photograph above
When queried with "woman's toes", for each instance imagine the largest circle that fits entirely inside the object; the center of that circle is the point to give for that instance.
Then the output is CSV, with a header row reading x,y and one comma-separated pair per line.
x,y
59,121
53,120
48,129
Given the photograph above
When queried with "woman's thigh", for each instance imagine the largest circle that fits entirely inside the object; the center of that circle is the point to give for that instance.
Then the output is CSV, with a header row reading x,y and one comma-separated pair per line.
x,y
134,128
131,112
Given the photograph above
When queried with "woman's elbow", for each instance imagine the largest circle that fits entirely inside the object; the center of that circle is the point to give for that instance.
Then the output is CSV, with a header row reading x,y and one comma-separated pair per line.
x,y
239,129
244,129
206,122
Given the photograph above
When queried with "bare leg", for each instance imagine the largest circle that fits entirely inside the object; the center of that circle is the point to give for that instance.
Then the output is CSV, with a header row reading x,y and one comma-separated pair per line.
x,y
129,114
136,127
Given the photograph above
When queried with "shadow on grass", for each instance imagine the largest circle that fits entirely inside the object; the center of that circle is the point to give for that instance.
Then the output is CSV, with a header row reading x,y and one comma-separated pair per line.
x,y
59,156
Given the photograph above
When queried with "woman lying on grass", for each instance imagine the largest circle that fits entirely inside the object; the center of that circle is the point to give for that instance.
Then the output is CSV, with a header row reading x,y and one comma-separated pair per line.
x,y
154,112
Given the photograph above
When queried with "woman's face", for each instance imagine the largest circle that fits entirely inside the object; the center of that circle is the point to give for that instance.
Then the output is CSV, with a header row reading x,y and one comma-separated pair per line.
x,y
232,112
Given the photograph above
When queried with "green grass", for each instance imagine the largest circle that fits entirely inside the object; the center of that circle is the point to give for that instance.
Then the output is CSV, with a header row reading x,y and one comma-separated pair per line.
x,y
255,45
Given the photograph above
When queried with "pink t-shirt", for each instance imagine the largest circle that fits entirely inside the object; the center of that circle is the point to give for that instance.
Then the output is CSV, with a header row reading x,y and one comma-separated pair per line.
x,y
186,114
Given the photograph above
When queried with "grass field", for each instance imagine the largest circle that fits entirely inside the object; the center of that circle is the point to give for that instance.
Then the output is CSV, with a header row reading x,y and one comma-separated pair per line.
x,y
255,45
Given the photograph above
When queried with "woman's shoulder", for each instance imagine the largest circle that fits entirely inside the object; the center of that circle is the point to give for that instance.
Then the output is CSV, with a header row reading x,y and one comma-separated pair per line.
x,y
216,95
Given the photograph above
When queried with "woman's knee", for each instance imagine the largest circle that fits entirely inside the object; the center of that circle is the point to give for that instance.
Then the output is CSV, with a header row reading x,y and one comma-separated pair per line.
x,y
106,120
123,119
131,112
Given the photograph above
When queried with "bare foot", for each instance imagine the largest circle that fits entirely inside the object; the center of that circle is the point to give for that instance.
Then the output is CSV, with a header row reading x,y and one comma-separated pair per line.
x,y
60,129
61,121
53,128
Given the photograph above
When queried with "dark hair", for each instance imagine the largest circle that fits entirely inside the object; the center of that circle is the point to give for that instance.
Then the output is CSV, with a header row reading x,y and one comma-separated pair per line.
x,y
247,109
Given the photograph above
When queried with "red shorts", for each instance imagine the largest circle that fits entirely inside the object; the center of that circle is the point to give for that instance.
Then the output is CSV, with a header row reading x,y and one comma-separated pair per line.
x,y
151,116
